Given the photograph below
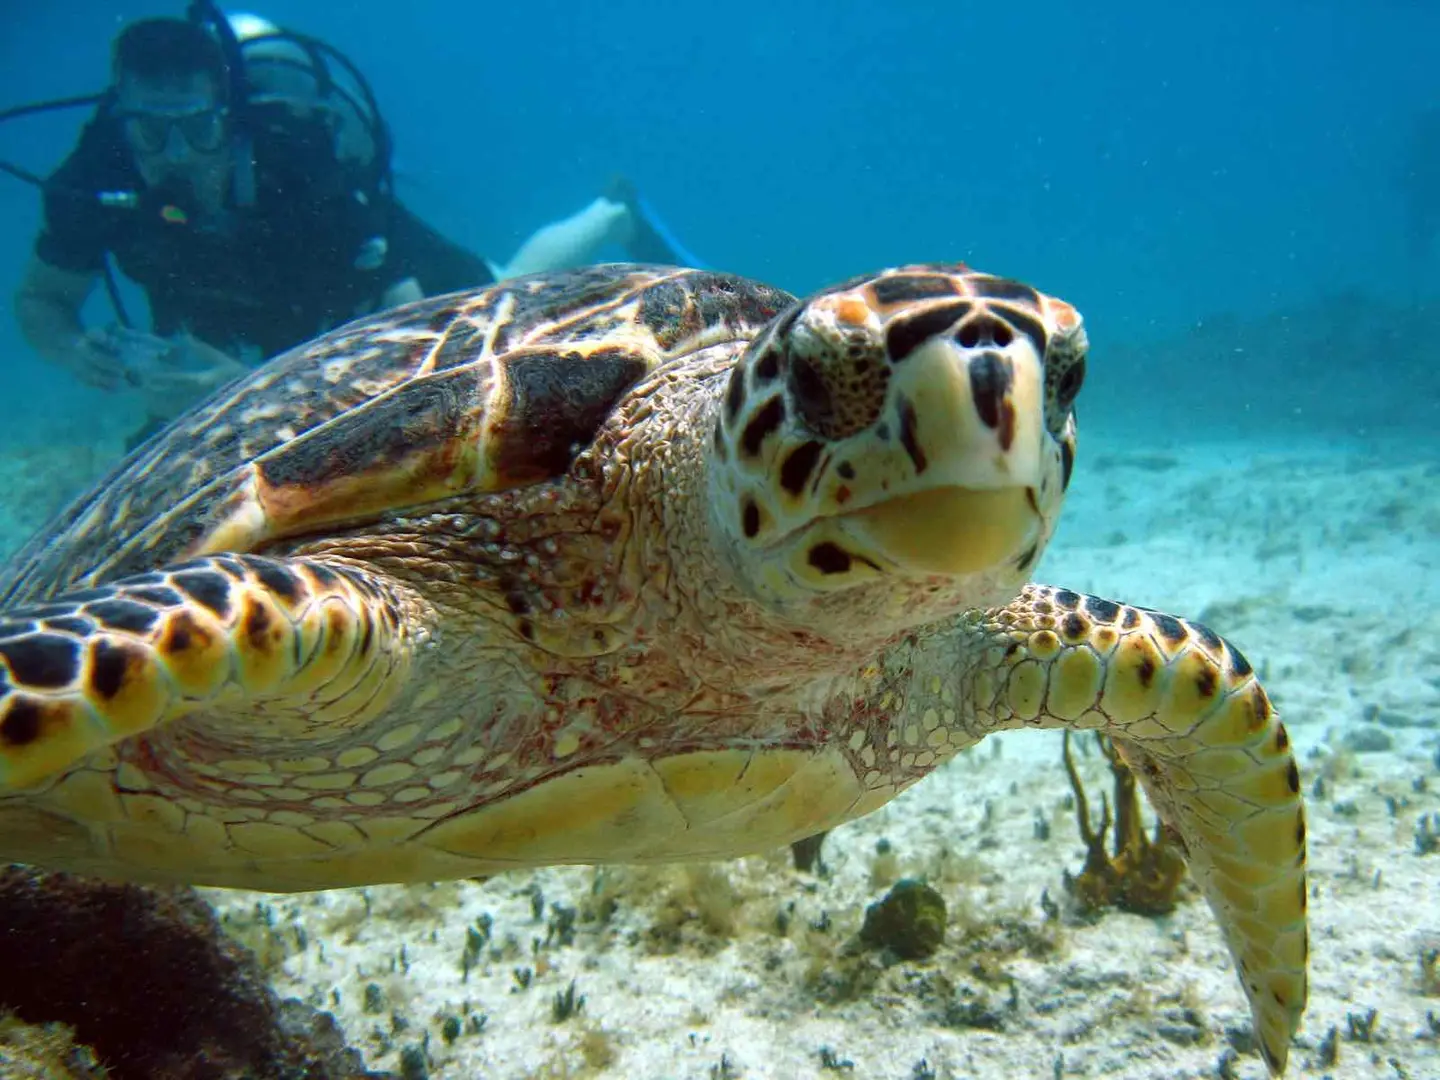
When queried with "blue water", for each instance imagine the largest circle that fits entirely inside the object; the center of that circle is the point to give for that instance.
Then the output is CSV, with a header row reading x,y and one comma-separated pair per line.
x,y
1157,167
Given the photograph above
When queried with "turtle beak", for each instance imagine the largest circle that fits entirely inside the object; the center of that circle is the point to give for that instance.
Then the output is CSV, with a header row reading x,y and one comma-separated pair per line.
x,y
947,530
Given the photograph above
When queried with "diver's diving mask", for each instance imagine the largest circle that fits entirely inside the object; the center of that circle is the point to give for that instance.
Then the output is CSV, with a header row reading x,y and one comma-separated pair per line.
x,y
202,129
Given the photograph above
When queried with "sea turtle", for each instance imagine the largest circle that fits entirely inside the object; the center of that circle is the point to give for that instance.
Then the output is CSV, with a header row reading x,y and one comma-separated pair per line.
x,y
621,564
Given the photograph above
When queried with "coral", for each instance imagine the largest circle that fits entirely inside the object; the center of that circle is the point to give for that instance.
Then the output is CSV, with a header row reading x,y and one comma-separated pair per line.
x,y
837,971
830,1061
30,1052
909,920
597,1047
1427,835
1361,1026
1327,1053
566,1004
885,869
147,980
698,907
1143,875
1430,972
272,941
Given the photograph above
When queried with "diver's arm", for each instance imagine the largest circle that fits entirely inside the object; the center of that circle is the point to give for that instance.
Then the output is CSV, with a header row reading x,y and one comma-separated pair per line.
x,y
47,307
402,292
572,241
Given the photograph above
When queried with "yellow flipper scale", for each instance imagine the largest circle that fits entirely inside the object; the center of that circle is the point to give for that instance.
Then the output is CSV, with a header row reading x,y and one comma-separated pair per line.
x,y
91,668
1188,714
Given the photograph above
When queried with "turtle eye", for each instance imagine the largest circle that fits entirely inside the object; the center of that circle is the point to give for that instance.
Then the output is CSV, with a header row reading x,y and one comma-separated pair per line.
x,y
1069,385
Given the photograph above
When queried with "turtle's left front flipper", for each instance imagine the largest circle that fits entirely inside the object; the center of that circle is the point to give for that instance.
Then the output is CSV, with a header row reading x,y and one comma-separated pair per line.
x,y
326,643
1189,716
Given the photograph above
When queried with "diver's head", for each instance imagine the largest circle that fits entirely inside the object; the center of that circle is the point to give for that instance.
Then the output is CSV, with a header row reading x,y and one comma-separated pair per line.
x,y
171,98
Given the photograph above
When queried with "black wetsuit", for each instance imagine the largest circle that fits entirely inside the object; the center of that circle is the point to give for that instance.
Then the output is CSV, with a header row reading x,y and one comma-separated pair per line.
x,y
271,274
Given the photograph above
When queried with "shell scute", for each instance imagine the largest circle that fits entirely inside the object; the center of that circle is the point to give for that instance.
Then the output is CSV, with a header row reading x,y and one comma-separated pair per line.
x,y
552,404
480,391
403,448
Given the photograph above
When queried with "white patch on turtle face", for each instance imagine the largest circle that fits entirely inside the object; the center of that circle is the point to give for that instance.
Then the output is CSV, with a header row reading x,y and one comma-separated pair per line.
x,y
916,441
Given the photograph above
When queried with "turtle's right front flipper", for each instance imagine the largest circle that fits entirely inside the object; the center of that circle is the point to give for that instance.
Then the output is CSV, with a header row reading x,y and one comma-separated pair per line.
x,y
93,667
1189,716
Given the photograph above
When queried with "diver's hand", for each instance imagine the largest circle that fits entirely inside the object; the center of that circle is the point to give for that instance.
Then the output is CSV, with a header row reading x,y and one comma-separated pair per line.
x,y
187,370
106,357
211,368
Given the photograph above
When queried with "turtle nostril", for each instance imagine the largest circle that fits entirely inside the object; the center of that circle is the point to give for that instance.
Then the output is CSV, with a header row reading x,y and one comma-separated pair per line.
x,y
984,330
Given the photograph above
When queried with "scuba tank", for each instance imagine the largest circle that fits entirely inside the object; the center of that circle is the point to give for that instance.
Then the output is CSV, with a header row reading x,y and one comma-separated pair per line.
x,y
280,77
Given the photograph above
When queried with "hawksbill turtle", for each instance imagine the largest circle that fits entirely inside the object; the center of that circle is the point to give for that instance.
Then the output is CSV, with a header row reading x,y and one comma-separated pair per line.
x,y
621,564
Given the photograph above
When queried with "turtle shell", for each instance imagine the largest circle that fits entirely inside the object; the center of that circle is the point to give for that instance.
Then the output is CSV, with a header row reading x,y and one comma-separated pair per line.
x,y
469,392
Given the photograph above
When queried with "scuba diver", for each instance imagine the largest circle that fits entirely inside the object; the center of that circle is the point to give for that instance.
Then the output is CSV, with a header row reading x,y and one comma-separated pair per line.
x,y
240,175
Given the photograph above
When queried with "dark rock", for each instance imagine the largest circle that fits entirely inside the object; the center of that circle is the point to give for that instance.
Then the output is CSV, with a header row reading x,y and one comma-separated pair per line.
x,y
145,977
909,921
1368,740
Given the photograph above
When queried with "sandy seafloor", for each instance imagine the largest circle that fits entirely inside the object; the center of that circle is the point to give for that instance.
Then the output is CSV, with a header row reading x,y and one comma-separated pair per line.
x,y
1320,559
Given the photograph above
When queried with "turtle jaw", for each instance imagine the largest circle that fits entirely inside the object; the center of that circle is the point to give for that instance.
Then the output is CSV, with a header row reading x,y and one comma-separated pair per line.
x,y
954,546
948,530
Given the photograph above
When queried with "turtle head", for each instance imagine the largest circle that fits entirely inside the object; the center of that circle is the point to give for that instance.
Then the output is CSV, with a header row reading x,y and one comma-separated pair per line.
x,y
909,434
